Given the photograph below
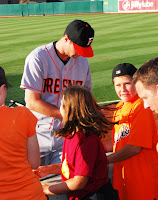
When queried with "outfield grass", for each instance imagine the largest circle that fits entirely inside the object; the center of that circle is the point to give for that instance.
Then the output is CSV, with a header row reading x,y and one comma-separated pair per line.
x,y
118,38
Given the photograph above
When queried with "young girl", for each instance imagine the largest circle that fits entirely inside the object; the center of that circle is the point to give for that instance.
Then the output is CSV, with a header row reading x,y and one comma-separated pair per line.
x,y
84,163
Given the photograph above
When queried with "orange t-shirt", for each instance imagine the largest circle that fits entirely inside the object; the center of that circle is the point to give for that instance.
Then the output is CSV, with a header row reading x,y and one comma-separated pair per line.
x,y
137,177
17,181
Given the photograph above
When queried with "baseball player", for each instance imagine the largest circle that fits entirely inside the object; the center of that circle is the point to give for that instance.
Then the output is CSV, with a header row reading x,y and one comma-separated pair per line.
x,y
48,70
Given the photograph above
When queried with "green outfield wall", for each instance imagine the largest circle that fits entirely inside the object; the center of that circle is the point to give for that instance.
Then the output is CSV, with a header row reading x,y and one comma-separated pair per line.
x,y
54,8
110,6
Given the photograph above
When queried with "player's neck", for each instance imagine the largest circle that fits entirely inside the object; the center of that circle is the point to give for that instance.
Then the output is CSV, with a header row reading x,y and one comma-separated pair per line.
x,y
62,56
60,51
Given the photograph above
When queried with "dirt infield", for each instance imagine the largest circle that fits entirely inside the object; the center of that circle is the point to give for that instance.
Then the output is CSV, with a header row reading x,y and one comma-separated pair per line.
x,y
109,114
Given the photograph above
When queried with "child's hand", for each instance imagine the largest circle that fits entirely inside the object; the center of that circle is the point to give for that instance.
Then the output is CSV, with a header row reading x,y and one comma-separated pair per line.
x,y
46,189
41,171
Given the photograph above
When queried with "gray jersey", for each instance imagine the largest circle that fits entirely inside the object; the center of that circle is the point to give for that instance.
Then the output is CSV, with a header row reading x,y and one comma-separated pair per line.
x,y
46,74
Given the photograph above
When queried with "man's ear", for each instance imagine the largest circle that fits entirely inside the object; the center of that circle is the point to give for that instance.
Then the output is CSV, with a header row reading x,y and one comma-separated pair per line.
x,y
2,88
157,89
66,38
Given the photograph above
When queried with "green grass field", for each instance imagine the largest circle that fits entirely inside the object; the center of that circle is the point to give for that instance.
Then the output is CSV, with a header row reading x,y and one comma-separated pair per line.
x,y
118,38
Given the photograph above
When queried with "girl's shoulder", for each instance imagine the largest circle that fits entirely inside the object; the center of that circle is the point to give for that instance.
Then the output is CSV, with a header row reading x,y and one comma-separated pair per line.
x,y
88,136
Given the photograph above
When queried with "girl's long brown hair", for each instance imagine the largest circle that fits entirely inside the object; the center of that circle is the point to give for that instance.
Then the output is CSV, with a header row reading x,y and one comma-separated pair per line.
x,y
81,111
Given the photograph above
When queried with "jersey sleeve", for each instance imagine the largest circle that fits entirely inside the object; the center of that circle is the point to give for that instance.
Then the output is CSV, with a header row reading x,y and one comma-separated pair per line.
x,y
141,128
33,74
86,155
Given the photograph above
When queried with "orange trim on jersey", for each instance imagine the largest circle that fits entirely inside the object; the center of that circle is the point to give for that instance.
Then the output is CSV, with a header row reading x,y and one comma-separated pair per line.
x,y
51,123
55,66
71,67
30,87
53,60
60,76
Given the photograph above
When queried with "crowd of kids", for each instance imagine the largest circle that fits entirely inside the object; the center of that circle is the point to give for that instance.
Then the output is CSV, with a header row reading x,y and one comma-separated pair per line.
x,y
67,122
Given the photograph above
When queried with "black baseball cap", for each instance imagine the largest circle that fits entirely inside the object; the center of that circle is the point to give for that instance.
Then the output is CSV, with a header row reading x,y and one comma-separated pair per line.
x,y
81,34
123,69
3,79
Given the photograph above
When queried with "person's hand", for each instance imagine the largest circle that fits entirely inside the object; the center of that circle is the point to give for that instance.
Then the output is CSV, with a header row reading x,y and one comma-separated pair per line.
x,y
42,171
46,189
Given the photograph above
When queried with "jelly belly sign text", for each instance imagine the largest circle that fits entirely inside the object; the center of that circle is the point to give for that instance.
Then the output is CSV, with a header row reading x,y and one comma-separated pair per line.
x,y
138,5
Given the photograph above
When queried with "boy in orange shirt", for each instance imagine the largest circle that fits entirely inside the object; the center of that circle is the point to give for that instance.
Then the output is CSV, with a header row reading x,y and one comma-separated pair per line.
x,y
134,141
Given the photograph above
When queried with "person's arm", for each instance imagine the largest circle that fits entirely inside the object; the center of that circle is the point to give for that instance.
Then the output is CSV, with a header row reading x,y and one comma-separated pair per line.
x,y
126,152
34,102
73,184
43,171
33,154
108,146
